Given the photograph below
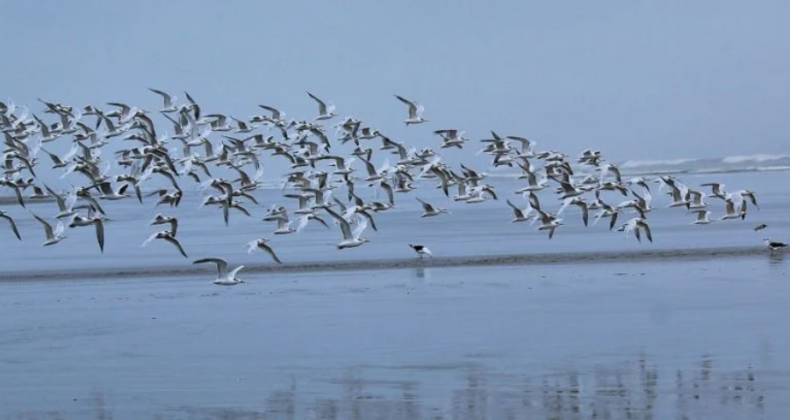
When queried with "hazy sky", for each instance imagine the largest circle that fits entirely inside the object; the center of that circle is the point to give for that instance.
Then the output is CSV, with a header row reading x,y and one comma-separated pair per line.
x,y
637,79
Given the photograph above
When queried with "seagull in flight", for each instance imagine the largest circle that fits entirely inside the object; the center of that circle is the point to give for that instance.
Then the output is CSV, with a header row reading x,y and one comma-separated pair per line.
x,y
351,238
167,236
53,236
702,217
325,111
263,245
636,224
415,111
429,210
224,278
168,99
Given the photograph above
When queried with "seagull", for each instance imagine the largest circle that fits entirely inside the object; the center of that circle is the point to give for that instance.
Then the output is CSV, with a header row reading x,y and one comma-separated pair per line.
x,y
750,195
679,197
702,217
548,222
55,236
4,215
325,112
169,107
415,111
717,190
696,199
78,220
262,244
160,220
578,202
351,239
520,215
636,224
429,210
421,250
731,213
759,227
774,245
167,236
65,206
224,278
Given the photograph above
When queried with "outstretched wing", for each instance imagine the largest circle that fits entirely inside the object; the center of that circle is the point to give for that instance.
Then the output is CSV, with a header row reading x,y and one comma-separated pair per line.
x,y
362,224
222,265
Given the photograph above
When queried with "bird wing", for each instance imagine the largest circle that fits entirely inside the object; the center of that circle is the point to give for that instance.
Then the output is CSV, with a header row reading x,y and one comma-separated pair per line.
x,y
426,207
100,233
222,265
412,106
269,251
344,225
321,104
175,242
150,238
13,225
362,224
517,211
47,226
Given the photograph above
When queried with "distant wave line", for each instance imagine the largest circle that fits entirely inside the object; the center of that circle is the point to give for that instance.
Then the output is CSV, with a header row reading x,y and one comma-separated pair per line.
x,y
402,263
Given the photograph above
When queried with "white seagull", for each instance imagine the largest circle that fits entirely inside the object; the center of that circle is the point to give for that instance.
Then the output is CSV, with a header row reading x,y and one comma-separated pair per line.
x,y
224,278
415,111
167,236
264,246
351,239
55,236
429,210
702,217
325,111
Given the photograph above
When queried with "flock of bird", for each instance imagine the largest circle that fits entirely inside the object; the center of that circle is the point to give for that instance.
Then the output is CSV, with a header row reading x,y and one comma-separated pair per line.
x,y
204,142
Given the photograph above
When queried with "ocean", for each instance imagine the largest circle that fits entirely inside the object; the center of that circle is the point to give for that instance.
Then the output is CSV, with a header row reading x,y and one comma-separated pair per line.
x,y
503,323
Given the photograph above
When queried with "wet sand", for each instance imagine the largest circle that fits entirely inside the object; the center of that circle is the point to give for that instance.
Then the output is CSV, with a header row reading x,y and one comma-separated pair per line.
x,y
648,339
699,254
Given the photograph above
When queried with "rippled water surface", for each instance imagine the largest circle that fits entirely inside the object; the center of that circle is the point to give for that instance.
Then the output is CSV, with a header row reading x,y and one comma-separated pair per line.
x,y
654,338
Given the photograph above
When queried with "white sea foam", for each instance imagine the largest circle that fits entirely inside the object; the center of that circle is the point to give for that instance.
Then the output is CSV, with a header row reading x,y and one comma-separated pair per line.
x,y
754,158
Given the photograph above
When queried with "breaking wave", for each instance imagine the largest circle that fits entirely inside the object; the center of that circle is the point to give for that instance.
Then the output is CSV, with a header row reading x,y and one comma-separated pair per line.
x,y
748,163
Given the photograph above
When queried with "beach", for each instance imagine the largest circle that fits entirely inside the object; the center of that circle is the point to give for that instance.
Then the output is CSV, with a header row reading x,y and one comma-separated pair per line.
x,y
658,340
501,323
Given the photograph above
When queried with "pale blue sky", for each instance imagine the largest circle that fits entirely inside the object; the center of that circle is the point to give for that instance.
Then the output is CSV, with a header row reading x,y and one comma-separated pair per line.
x,y
637,79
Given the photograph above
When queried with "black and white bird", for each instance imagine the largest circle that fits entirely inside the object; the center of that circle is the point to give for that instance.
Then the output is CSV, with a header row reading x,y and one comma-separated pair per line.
x,y
421,250
774,245
759,227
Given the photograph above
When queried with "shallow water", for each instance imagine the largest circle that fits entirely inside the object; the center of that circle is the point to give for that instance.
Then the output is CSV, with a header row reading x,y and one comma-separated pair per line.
x,y
646,340
503,323
471,230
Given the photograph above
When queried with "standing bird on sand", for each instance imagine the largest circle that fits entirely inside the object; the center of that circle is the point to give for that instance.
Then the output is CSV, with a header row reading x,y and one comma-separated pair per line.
x,y
224,278
774,245
421,250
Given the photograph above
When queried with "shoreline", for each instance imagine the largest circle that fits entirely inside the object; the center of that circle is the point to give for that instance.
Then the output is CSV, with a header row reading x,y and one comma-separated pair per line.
x,y
400,263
